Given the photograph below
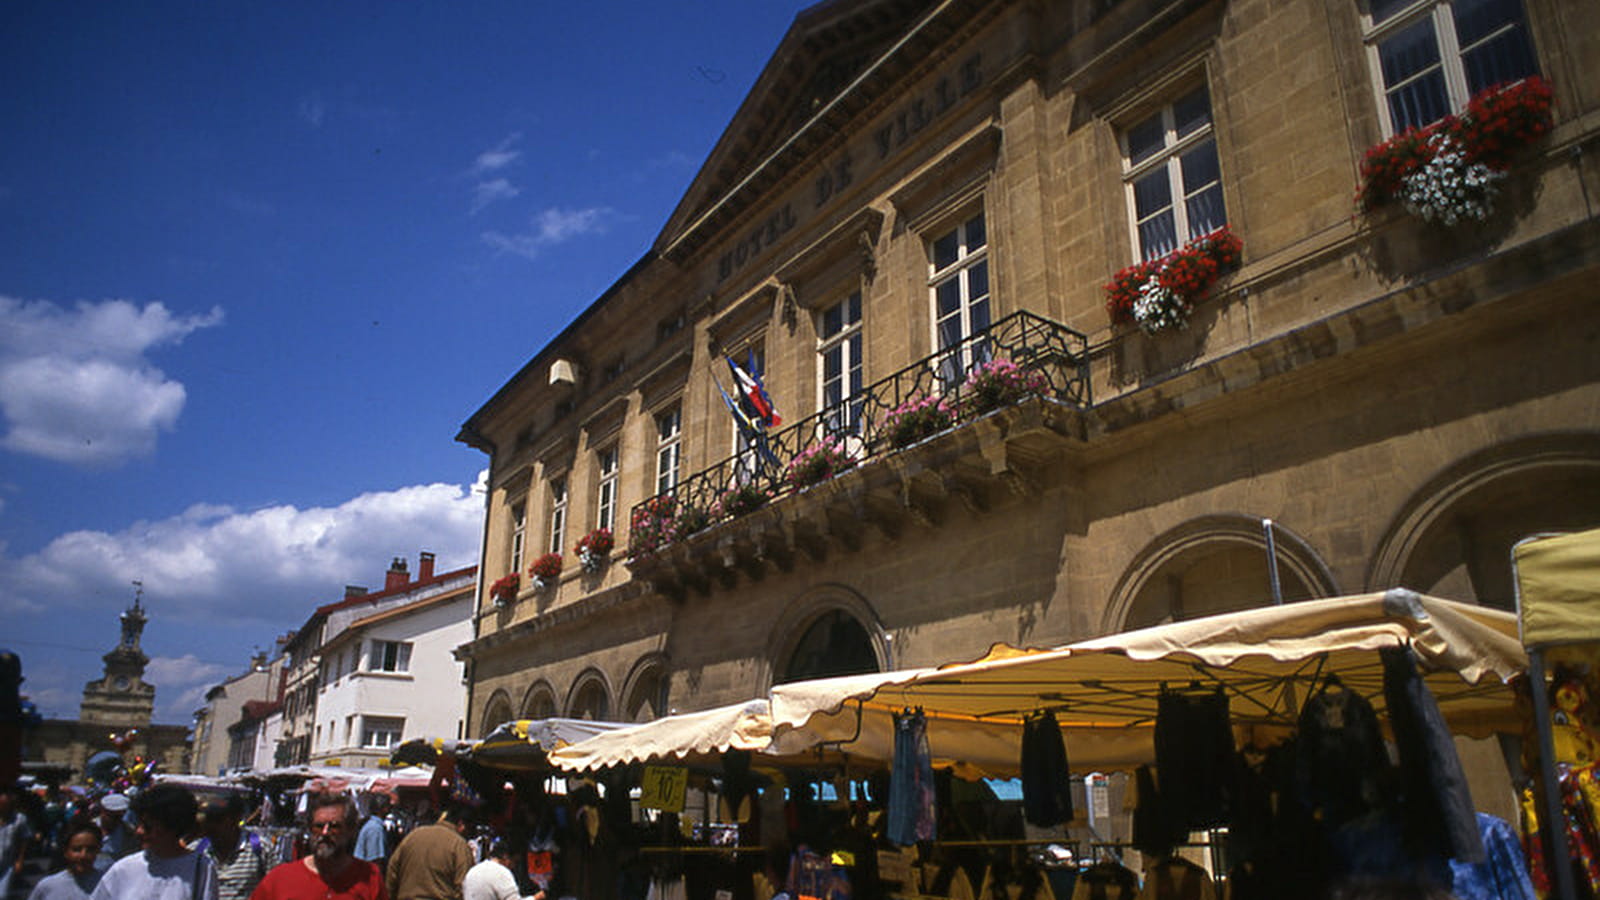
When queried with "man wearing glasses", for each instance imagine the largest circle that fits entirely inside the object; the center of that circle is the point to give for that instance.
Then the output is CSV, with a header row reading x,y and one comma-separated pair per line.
x,y
330,871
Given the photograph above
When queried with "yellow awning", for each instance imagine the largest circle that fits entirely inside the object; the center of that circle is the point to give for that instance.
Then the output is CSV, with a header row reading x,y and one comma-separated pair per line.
x,y
1558,588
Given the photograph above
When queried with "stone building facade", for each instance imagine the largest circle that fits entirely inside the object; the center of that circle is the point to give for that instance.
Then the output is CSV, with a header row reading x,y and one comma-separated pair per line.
x,y
913,189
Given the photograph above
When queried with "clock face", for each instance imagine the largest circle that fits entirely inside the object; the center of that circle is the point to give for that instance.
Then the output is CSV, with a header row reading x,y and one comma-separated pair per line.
x,y
121,682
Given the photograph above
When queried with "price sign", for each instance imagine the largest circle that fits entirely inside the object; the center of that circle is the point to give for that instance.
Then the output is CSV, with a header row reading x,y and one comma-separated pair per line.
x,y
663,788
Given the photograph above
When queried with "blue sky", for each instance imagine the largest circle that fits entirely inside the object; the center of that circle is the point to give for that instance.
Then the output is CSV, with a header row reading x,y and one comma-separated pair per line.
x,y
259,261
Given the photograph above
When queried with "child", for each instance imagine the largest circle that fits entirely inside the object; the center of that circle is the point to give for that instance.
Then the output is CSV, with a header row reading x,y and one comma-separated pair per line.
x,y
77,881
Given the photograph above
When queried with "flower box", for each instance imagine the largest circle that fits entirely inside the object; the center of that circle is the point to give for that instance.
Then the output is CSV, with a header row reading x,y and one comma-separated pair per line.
x,y
1450,171
740,499
1000,382
818,463
504,589
916,419
652,525
595,548
1159,294
545,570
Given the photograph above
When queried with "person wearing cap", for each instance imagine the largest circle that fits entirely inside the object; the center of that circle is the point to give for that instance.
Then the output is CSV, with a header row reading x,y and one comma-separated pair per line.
x,y
492,878
164,869
237,856
119,840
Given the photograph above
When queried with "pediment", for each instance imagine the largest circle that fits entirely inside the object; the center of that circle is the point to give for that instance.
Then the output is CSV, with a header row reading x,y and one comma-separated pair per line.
x,y
828,49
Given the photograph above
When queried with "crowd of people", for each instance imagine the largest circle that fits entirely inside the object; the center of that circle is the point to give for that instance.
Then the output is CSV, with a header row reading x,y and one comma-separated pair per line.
x,y
164,843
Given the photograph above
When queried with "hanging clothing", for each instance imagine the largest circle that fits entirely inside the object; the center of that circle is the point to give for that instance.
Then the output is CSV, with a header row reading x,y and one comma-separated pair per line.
x,y
1340,763
1176,878
1502,874
1106,880
1046,779
1438,813
911,786
1194,755
1156,828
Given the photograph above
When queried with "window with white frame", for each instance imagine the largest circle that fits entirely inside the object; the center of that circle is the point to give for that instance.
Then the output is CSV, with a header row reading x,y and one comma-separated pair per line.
x,y
390,656
606,490
1430,56
1172,175
839,364
381,732
519,534
669,448
558,513
959,283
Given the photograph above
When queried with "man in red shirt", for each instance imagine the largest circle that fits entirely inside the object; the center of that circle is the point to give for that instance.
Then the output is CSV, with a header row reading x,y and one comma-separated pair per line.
x,y
330,871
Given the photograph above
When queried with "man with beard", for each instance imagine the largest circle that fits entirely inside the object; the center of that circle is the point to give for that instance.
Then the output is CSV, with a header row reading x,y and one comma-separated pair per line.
x,y
329,872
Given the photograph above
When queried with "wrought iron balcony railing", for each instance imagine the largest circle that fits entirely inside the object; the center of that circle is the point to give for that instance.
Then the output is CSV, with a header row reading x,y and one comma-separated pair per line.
x,y
1017,357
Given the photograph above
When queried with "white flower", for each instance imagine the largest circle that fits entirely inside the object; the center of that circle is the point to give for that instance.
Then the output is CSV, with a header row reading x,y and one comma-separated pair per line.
x,y
1448,189
1157,308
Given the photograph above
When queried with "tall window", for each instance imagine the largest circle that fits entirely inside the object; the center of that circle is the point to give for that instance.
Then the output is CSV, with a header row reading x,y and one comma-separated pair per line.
x,y
558,513
839,364
1174,182
959,278
519,534
1430,56
389,656
669,448
381,732
606,496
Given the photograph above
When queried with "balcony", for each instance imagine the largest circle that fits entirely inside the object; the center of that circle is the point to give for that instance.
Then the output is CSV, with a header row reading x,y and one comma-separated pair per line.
x,y
1022,362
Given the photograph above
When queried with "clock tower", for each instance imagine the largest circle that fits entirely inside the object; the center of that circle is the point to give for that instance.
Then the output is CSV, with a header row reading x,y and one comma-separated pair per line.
x,y
120,698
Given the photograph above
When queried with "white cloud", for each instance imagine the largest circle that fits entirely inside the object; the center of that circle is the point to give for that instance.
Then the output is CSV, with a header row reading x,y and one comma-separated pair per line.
x,y
551,227
271,565
75,384
499,156
487,192
217,582
181,683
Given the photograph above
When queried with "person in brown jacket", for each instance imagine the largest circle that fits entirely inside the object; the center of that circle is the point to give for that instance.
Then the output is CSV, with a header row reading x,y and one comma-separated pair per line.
x,y
431,861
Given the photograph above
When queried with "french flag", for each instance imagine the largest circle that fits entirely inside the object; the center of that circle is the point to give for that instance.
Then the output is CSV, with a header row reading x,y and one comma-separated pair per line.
x,y
753,396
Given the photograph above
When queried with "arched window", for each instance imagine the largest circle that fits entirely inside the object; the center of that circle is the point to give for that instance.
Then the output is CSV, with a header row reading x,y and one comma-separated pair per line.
x,y
646,697
539,702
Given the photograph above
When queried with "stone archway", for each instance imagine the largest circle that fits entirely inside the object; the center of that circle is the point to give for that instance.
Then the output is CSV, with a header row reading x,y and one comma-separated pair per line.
x,y
590,697
496,712
540,701
1453,538
830,630
1210,565
644,695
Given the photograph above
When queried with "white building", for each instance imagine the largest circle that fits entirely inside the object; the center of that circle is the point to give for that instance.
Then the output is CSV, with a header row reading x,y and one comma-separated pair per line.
x,y
390,677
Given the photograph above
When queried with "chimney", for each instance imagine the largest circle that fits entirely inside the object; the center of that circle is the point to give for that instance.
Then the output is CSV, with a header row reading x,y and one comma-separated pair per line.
x,y
353,590
424,566
258,662
397,576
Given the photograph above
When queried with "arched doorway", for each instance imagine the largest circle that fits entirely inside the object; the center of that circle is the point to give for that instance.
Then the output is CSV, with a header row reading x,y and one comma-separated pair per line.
x,y
590,698
1454,538
645,697
495,713
835,643
1211,565
539,702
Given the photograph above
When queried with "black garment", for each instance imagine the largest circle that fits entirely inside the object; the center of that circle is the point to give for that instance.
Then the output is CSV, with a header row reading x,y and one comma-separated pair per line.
x,y
1194,756
1156,830
1106,881
1046,785
1438,814
1340,763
